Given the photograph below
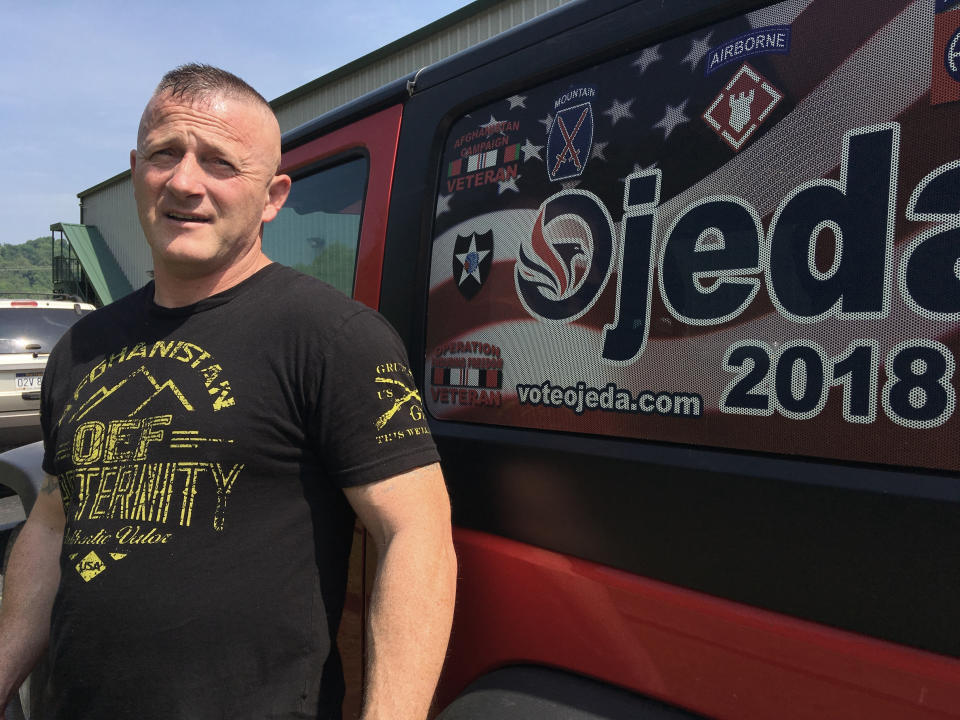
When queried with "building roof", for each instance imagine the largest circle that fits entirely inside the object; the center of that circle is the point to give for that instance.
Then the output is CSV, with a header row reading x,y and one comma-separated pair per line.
x,y
352,67
98,262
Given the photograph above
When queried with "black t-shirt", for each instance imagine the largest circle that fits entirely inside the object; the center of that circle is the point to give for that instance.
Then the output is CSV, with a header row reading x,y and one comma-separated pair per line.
x,y
202,453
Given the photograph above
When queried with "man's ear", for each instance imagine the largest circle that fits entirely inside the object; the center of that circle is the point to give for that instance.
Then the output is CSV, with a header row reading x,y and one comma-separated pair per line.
x,y
133,161
277,194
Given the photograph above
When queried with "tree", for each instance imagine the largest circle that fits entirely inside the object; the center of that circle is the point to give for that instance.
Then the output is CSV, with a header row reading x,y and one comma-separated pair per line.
x,y
25,268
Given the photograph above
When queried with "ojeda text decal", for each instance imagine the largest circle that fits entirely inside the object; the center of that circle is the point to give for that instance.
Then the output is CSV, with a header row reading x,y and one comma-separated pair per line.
x,y
720,239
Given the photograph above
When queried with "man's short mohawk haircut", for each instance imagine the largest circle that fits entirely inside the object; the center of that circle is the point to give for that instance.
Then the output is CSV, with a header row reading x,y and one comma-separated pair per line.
x,y
195,80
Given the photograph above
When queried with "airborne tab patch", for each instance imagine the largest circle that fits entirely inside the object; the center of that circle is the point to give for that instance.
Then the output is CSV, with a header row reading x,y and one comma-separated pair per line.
x,y
771,39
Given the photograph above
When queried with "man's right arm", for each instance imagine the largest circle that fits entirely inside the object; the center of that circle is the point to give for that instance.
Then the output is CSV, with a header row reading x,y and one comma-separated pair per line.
x,y
29,587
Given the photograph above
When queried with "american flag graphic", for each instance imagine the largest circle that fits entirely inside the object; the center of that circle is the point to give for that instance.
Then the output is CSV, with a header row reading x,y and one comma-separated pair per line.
x,y
851,65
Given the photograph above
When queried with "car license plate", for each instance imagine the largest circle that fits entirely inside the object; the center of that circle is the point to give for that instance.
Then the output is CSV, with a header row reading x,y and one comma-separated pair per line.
x,y
29,380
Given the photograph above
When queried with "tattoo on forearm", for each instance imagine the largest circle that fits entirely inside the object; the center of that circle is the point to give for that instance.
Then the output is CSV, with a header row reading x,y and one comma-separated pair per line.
x,y
50,484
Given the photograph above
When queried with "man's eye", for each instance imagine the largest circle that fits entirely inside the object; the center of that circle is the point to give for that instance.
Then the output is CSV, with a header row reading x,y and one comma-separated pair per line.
x,y
221,163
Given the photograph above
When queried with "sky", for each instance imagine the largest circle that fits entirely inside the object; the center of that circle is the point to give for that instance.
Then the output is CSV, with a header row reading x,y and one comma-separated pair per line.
x,y
75,76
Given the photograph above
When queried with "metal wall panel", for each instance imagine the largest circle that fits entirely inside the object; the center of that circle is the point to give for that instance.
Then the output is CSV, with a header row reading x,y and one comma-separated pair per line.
x,y
114,212
111,208
471,31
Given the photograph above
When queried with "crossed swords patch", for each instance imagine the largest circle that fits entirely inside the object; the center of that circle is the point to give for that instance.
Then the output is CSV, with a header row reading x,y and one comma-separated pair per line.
x,y
407,396
569,142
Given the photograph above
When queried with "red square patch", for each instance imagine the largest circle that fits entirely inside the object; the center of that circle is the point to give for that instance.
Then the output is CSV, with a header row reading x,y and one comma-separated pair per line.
x,y
742,106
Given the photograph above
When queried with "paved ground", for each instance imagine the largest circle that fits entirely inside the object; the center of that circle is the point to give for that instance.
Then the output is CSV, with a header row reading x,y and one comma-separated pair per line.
x,y
11,514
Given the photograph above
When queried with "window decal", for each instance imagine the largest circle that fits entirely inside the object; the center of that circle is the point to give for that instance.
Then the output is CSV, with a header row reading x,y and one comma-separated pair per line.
x,y
743,237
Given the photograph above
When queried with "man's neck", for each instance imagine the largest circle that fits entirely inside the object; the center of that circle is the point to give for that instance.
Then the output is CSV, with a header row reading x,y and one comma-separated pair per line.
x,y
174,289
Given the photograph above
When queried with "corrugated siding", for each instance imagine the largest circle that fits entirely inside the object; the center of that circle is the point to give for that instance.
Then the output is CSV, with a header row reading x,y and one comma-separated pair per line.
x,y
471,31
114,212
111,208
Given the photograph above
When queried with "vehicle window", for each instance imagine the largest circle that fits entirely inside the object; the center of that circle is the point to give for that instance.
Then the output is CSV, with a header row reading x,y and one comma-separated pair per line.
x,y
318,229
727,239
34,329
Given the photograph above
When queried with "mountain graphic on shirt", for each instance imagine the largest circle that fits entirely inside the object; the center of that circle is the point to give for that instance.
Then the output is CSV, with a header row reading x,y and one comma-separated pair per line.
x,y
139,389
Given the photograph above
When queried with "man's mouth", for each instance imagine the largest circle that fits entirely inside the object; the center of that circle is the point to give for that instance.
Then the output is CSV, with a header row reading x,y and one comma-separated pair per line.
x,y
186,217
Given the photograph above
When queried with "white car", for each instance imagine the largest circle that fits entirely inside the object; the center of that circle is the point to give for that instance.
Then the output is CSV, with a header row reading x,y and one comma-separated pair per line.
x,y
28,331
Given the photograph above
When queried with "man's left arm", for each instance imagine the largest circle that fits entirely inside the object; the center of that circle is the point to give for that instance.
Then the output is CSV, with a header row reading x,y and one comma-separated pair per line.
x,y
408,518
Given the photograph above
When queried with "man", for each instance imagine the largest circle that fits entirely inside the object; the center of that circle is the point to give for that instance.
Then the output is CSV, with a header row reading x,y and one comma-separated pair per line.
x,y
205,439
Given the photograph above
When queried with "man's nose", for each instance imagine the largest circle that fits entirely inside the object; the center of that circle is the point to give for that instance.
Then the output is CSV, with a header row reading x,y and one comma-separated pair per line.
x,y
187,177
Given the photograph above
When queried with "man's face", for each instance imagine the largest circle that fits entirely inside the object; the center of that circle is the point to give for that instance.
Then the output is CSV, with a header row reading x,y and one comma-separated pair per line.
x,y
204,180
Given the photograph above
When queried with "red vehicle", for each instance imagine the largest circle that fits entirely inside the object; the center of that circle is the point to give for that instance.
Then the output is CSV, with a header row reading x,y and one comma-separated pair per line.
x,y
682,284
